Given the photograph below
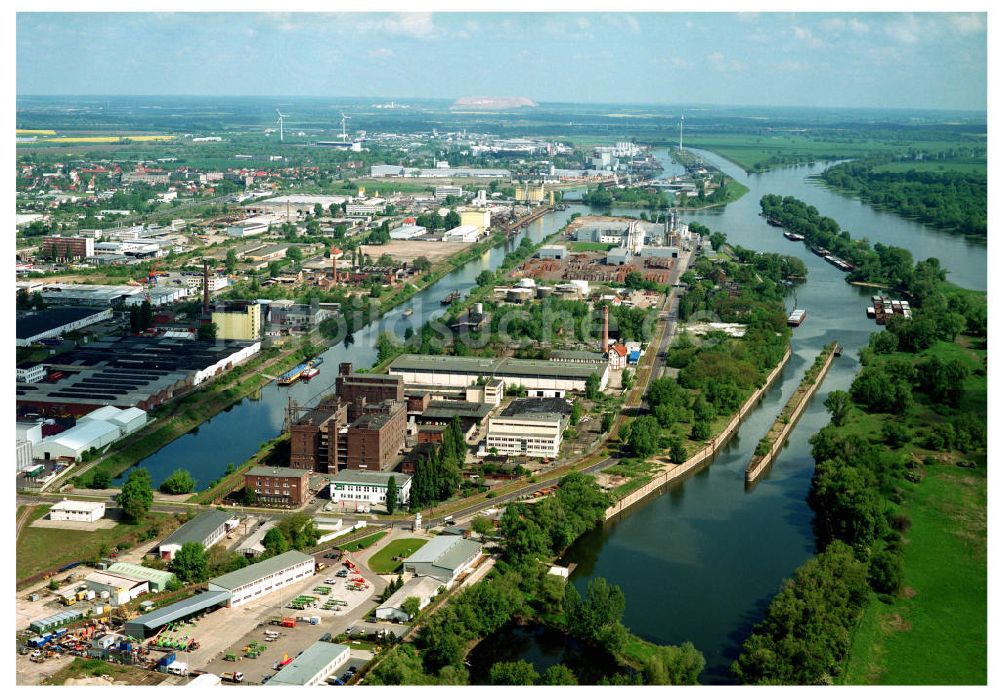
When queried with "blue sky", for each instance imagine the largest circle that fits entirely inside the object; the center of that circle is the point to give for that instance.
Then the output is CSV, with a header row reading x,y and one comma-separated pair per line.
x,y
774,59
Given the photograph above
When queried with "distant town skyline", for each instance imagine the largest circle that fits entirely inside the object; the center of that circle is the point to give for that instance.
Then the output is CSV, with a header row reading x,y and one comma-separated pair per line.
x,y
854,60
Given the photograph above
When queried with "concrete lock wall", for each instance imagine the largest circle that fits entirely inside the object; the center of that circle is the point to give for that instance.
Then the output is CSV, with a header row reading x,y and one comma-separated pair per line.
x,y
705,453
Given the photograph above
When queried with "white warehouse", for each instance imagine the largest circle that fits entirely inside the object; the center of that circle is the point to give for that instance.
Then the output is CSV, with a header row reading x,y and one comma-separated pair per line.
x,y
444,558
96,429
351,489
257,580
540,378
423,588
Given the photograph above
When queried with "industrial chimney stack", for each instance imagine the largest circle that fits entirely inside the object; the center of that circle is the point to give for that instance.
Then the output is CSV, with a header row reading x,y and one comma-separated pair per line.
x,y
604,338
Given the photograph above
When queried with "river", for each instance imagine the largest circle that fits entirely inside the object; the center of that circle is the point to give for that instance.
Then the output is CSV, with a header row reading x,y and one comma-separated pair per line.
x,y
701,560
235,434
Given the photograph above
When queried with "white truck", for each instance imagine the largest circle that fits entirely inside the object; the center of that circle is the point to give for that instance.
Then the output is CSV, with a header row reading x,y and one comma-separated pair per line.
x,y
177,668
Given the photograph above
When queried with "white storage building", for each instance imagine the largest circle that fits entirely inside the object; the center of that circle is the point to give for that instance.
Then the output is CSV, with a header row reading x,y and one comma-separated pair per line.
x,y
207,528
533,434
313,666
121,588
444,558
353,488
96,429
424,588
257,580
78,511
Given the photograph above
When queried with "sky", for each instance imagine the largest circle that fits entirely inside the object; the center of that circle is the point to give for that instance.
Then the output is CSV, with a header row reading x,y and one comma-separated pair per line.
x,y
885,60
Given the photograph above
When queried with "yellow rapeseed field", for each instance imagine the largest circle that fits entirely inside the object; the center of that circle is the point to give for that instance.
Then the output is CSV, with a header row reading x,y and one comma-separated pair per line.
x,y
35,132
113,138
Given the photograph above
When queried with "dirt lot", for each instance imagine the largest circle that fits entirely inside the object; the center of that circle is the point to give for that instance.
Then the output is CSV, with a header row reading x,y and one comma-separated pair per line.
x,y
407,251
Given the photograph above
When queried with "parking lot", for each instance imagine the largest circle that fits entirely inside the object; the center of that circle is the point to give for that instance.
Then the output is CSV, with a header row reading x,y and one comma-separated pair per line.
x,y
231,630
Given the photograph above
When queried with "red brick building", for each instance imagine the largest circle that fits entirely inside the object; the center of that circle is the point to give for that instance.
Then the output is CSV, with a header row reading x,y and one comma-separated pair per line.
x,y
377,436
358,390
316,440
277,486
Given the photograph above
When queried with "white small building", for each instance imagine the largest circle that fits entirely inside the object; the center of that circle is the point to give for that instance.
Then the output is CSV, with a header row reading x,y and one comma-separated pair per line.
x,y
533,434
424,588
445,558
617,357
407,231
313,666
466,233
77,511
252,226
257,580
215,282
353,489
206,528
121,589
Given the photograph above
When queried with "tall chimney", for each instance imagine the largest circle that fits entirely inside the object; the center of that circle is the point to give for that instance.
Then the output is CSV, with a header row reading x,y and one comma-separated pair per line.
x,y
604,339
333,260
204,300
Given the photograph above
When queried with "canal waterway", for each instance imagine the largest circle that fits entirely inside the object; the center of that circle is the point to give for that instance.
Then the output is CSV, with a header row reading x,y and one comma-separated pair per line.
x,y
234,435
700,560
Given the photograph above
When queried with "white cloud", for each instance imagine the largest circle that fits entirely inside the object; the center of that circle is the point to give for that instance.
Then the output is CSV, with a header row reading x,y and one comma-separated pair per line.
x,y
801,32
381,53
904,30
418,24
857,26
719,62
968,23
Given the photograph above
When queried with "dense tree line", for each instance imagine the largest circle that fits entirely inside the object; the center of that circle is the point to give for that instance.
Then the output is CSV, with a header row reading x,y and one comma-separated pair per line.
x,y
943,199
438,475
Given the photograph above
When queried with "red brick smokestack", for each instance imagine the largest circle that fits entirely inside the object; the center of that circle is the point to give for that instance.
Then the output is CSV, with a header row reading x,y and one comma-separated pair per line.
x,y
604,338
334,261
204,300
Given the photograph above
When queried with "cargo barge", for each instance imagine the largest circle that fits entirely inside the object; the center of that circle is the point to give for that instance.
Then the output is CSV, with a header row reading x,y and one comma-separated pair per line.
x,y
450,298
796,317
794,237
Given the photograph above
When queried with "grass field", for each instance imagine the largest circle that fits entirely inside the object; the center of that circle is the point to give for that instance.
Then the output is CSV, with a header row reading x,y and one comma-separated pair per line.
x,y
363,542
589,246
936,633
382,562
41,549
80,668
935,165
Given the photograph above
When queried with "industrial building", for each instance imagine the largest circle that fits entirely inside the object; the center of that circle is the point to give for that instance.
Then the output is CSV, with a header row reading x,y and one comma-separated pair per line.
x,y
237,320
77,511
532,427
129,372
375,438
30,373
156,578
277,485
383,170
287,316
313,666
95,430
252,226
284,206
617,357
358,389
444,558
144,626
30,327
353,489
206,528
257,580
442,412
553,252
318,438
464,233
423,588
540,378
442,192
121,589
66,247
480,219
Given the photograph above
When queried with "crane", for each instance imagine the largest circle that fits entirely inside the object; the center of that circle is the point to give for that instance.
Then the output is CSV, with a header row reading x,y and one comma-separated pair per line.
x,y
343,125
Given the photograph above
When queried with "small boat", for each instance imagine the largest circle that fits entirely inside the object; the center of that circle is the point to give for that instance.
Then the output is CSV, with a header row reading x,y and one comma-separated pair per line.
x,y
310,373
794,237
292,375
450,298
838,351
820,251
408,312
315,361
796,317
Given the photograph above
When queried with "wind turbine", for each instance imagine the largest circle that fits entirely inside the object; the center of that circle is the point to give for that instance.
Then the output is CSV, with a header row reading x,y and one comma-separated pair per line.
x,y
343,125
281,124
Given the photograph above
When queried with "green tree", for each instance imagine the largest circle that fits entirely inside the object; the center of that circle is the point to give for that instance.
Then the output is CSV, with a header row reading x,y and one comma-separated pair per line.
x,y
485,278
275,542
592,387
452,220
838,404
517,673
628,378
190,563
481,525
390,495
421,264
558,675
411,606
179,482
249,496
101,479
207,331
136,496
644,436
231,261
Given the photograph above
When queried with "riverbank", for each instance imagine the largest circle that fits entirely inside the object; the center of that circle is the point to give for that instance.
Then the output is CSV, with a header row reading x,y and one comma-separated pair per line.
x,y
770,445
705,453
